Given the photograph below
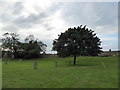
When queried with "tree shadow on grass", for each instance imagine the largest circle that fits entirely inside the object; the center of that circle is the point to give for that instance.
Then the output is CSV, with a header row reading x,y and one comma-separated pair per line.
x,y
77,65
69,63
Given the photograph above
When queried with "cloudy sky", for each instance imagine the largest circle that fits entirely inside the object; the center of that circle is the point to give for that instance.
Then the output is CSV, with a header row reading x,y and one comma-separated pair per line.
x,y
45,20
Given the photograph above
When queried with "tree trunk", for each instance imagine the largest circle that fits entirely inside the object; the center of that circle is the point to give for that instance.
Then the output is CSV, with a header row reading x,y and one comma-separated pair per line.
x,y
74,63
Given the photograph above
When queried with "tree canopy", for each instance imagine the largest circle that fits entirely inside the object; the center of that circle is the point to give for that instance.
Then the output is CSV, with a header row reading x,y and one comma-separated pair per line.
x,y
77,41
31,48
10,42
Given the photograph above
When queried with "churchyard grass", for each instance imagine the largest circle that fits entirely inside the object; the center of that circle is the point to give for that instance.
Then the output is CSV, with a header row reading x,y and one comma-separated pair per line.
x,y
88,73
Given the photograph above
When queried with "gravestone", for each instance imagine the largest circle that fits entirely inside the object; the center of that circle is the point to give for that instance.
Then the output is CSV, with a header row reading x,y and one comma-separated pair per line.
x,y
103,64
35,65
20,60
12,56
5,58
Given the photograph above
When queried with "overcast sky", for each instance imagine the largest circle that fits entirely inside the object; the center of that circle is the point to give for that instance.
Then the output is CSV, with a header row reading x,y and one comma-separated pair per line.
x,y
45,20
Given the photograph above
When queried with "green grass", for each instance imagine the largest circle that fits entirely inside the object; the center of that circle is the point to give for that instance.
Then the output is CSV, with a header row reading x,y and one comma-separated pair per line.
x,y
0,73
88,73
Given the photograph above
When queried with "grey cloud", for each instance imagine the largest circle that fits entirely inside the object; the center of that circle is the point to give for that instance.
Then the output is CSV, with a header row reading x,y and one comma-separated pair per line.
x,y
11,28
29,21
90,13
14,22
77,13
7,13
48,26
18,8
32,19
108,13
55,7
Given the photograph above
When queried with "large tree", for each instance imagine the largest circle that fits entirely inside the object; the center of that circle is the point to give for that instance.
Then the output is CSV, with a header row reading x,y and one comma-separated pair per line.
x,y
10,42
77,41
32,47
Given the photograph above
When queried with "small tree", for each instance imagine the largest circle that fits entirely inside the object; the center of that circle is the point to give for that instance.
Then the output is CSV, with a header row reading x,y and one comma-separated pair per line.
x,y
77,41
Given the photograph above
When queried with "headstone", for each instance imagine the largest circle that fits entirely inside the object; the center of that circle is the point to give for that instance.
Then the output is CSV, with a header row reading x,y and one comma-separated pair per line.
x,y
103,64
35,65
12,56
5,58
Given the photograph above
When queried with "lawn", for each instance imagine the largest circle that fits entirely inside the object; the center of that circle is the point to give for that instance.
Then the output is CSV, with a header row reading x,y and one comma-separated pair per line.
x,y
89,72
0,73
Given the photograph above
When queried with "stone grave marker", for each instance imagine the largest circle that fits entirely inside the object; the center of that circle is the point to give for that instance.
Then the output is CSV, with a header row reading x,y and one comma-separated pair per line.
x,y
20,60
5,58
35,65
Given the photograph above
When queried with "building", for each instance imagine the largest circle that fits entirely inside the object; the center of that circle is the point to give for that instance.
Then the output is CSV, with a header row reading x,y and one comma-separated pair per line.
x,y
110,53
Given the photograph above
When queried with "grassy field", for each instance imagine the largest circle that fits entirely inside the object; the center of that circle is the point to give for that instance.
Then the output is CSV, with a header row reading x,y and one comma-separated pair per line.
x,y
88,73
0,73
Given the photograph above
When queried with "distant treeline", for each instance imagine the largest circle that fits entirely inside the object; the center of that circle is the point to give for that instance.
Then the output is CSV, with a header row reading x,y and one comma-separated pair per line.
x,y
13,48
